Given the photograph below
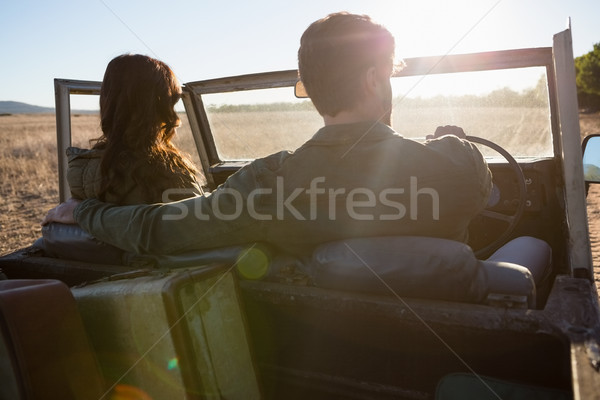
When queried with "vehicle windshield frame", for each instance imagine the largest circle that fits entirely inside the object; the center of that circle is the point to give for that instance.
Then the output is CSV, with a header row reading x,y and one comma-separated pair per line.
x,y
216,168
419,66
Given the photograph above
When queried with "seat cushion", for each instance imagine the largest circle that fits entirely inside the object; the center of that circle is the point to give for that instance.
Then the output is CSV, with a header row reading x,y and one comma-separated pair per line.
x,y
403,266
461,386
73,243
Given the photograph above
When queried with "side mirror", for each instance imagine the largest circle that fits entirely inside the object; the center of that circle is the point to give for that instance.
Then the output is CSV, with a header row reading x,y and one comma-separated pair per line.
x,y
300,90
591,159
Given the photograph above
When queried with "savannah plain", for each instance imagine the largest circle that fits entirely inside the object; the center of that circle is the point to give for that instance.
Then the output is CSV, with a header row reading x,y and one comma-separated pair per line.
x,y
29,173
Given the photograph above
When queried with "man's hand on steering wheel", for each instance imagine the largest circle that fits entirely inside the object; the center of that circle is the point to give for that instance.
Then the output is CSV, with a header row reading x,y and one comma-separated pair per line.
x,y
447,130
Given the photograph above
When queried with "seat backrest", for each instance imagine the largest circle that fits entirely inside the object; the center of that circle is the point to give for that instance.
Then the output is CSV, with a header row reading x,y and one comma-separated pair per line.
x,y
44,349
411,266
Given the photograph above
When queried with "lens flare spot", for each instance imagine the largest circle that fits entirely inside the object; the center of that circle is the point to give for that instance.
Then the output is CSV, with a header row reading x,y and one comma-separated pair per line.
x,y
173,364
253,263
128,392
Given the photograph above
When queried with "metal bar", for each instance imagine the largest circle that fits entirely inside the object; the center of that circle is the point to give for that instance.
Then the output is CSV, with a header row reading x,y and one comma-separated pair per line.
x,y
245,82
63,135
494,60
194,116
580,259
63,88
81,87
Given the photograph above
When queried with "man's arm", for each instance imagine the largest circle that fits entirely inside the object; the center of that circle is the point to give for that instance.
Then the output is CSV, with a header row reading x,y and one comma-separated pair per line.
x,y
202,222
467,154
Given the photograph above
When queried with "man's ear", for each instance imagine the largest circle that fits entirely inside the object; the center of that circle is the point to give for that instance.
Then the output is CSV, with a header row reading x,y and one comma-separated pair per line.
x,y
371,81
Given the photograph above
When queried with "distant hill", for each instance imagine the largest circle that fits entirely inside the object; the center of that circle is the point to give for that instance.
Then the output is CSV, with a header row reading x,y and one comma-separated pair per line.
x,y
15,107
591,172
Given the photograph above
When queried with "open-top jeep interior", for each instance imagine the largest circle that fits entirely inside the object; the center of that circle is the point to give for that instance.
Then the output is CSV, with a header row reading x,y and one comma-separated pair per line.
x,y
280,334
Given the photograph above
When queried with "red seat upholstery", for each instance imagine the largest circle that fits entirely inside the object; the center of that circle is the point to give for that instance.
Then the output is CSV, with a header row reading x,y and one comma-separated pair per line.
x,y
44,350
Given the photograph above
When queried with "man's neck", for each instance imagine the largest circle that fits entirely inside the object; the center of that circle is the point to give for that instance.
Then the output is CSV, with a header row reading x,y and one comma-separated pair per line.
x,y
352,118
364,111
357,114
342,118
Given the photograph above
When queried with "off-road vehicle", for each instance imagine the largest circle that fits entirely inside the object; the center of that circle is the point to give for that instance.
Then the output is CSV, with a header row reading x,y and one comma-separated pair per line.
x,y
198,326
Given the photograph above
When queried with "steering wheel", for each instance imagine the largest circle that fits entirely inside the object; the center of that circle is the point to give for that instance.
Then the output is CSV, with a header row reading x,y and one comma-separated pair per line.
x,y
510,220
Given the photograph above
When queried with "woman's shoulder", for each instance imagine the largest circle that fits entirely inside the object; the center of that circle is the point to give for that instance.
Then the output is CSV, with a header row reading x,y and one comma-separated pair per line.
x,y
83,173
77,152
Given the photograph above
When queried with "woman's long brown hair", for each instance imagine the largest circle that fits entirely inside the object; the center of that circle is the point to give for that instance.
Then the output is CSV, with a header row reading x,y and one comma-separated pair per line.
x,y
138,121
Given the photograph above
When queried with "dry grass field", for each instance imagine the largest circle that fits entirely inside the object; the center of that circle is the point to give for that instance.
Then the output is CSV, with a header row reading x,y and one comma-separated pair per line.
x,y
29,173
28,177
28,165
521,131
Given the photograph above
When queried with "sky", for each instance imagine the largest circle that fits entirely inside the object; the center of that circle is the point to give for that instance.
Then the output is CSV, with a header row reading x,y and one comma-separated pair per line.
x,y
45,39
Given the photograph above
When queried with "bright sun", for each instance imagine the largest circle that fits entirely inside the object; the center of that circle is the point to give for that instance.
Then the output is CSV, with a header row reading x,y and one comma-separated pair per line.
x,y
439,27
436,27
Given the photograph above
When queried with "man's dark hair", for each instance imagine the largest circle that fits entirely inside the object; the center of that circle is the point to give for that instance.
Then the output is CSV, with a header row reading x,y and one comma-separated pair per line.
x,y
334,52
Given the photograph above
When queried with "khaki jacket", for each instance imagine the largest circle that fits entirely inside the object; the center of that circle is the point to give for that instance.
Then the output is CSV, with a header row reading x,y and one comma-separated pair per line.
x,y
85,179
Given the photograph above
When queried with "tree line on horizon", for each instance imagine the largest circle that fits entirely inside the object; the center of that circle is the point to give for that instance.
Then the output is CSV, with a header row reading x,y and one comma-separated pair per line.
x,y
505,97
587,76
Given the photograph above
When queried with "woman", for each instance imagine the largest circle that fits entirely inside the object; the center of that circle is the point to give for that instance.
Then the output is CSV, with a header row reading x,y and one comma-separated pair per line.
x,y
134,161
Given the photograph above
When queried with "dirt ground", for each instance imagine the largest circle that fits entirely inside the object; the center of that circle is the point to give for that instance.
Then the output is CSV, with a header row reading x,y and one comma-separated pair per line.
x,y
22,210
23,227
593,207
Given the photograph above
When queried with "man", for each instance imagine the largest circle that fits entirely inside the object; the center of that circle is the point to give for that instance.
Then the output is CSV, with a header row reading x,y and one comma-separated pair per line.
x,y
355,178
